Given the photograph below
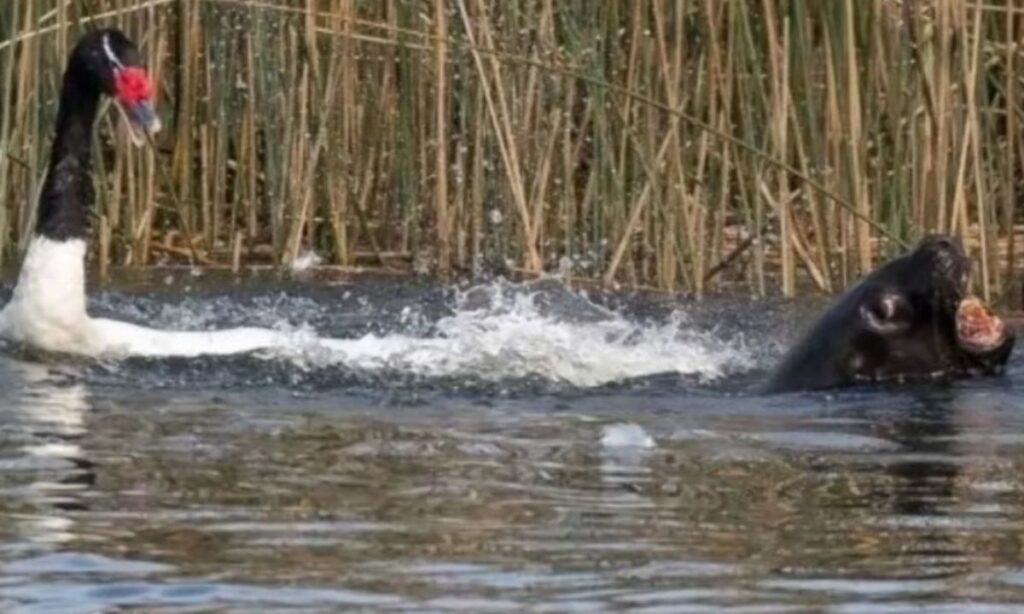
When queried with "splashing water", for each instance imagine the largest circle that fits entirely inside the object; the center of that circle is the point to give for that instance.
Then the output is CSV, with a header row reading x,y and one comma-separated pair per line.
x,y
515,338
306,262
492,333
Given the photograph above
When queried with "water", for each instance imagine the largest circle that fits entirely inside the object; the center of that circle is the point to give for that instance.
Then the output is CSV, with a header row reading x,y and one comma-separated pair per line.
x,y
504,448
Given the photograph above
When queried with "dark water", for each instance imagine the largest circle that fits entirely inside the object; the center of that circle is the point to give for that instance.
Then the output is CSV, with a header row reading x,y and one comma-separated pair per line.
x,y
403,478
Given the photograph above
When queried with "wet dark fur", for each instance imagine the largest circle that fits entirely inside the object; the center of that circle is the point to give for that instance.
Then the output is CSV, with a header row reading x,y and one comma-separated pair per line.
x,y
897,323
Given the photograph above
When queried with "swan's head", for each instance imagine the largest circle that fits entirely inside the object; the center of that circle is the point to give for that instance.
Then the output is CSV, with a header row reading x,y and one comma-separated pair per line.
x,y
110,61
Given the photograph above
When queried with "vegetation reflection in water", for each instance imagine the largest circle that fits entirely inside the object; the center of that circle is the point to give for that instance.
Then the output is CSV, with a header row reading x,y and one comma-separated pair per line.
x,y
663,492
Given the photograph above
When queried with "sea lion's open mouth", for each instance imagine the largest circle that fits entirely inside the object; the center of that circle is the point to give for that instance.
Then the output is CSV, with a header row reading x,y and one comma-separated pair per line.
x,y
978,330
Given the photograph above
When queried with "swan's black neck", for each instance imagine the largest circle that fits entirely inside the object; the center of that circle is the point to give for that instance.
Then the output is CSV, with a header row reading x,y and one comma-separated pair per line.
x,y
68,193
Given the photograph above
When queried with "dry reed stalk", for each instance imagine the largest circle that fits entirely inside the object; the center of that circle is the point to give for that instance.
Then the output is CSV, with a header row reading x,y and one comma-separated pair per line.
x,y
971,64
779,70
1007,179
856,144
441,204
104,249
494,95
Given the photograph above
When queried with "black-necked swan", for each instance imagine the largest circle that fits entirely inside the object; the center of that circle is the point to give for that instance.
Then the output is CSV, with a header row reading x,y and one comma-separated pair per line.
x,y
48,307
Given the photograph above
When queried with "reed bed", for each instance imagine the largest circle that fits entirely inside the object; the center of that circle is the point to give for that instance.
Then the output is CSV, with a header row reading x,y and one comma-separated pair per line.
x,y
770,145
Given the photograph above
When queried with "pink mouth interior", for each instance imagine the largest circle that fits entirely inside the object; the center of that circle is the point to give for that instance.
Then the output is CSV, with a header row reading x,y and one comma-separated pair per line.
x,y
978,329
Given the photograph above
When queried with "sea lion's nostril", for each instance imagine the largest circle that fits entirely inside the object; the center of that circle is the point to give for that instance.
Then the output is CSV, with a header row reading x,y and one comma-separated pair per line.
x,y
946,246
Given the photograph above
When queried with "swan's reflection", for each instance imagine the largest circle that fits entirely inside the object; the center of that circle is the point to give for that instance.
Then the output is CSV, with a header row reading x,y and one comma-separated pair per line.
x,y
48,474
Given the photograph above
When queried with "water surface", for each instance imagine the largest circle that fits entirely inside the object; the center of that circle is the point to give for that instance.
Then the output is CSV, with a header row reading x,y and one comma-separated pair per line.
x,y
499,448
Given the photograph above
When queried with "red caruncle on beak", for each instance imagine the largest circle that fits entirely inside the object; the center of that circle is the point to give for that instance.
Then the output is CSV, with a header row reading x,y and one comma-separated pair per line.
x,y
133,85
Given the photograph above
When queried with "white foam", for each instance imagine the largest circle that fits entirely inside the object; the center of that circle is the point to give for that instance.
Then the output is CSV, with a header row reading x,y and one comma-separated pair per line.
x,y
626,435
516,344
306,261
512,337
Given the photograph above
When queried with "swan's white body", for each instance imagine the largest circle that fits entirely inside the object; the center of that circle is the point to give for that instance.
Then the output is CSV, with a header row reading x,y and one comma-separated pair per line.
x,y
47,311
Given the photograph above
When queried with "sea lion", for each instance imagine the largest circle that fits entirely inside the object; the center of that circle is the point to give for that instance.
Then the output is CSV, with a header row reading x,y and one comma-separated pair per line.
x,y
909,319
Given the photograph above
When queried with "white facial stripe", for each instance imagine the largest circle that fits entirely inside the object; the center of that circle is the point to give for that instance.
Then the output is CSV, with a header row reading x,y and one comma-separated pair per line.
x,y
110,52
